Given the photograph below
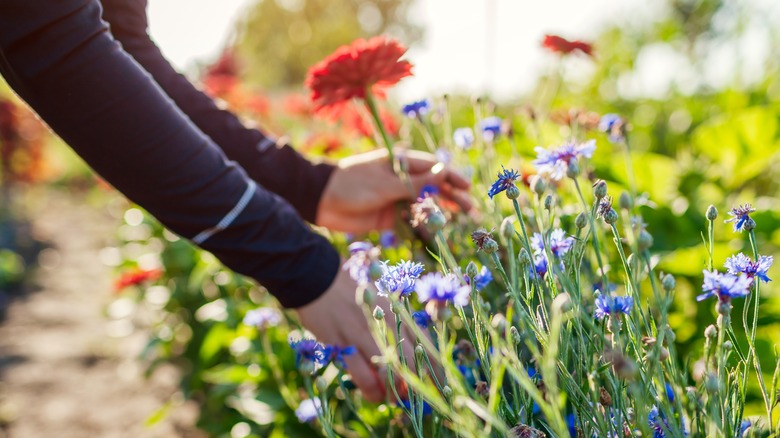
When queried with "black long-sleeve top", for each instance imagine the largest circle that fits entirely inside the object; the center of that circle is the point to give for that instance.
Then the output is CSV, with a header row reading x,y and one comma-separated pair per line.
x,y
165,145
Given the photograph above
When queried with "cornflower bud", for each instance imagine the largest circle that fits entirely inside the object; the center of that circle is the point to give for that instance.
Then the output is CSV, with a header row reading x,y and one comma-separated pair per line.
x,y
515,335
490,246
396,307
507,229
625,202
548,202
711,384
668,282
419,353
499,322
611,216
711,332
321,384
538,185
600,189
472,270
375,270
573,169
437,221
447,392
379,314
512,192
524,258
750,224
644,241
369,297
727,345
581,221
712,213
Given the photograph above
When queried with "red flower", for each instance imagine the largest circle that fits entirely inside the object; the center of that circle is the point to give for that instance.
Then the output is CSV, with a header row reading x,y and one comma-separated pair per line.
x,y
351,70
557,44
222,77
135,277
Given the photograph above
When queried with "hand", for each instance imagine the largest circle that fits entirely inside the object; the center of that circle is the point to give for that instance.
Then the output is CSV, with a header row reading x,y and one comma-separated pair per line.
x,y
336,318
361,194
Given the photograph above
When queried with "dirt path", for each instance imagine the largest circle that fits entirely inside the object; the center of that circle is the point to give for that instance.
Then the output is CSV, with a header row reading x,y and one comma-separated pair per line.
x,y
62,373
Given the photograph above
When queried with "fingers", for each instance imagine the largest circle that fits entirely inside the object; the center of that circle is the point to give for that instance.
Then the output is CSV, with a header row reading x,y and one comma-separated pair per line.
x,y
365,376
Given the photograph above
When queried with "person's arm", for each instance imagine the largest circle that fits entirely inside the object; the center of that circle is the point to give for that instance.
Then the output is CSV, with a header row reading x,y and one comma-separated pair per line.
x,y
279,168
59,57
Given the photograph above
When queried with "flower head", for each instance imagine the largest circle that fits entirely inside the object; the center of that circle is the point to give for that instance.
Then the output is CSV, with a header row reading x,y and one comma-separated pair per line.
x,y
557,44
308,353
416,109
443,155
483,240
362,255
614,126
428,190
463,137
442,289
262,317
373,64
741,214
541,265
388,239
399,278
724,286
483,279
611,305
741,264
554,162
605,206
422,319
559,243
308,410
657,423
490,128
335,354
506,178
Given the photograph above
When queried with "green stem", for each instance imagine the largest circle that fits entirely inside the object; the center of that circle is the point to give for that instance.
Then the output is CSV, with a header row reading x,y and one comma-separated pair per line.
x,y
372,108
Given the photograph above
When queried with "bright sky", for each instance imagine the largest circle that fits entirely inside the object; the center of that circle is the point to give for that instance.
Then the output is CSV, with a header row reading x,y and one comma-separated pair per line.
x,y
470,46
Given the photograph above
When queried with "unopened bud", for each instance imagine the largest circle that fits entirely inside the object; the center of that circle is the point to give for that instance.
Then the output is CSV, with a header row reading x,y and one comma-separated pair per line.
x,y
581,221
472,270
396,307
507,229
524,258
727,345
600,189
573,169
375,270
711,384
723,308
515,335
750,224
498,322
447,392
379,314
538,185
436,221
548,202
625,202
711,332
611,216
419,353
668,282
321,384
369,296
512,192
644,241
670,336
490,246
712,213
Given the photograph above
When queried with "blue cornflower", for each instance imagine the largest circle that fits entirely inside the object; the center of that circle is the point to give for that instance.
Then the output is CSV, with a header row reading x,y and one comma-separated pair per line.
x,y
442,289
743,428
308,410
741,214
483,279
614,126
399,278
428,190
724,286
559,243
335,354
417,109
388,239
422,319
669,392
490,128
308,354
362,255
741,264
554,162
506,178
658,423
426,408
541,266
463,137
611,305
262,317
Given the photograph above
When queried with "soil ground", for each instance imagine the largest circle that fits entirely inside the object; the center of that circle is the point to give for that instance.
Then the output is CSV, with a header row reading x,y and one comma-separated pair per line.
x,y
65,371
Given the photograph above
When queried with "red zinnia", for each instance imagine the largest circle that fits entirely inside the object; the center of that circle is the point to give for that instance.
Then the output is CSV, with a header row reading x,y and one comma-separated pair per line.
x,y
352,70
561,45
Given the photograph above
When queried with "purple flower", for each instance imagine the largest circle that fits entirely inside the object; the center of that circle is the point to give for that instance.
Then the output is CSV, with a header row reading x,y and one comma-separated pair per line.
x,y
362,255
741,264
490,128
399,278
422,319
657,423
483,279
262,318
724,286
335,354
743,428
614,126
308,353
388,239
506,178
559,243
611,305
308,410
540,265
442,289
554,162
417,109
740,214
464,137
443,156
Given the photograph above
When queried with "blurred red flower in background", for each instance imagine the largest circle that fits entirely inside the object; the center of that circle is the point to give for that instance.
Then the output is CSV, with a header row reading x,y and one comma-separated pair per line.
x,y
352,70
135,277
222,76
557,44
